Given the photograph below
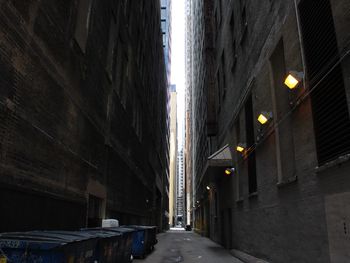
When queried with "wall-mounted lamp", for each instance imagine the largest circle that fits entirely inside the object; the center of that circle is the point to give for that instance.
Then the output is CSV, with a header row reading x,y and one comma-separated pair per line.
x,y
241,147
229,171
264,117
293,79
208,187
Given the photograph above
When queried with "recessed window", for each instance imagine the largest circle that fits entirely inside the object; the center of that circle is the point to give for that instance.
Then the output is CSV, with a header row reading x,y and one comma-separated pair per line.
x,y
111,48
250,138
82,23
223,77
244,24
325,78
284,131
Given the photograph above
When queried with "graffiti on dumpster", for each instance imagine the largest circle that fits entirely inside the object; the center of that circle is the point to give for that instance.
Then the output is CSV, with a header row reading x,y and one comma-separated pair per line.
x,y
9,244
24,258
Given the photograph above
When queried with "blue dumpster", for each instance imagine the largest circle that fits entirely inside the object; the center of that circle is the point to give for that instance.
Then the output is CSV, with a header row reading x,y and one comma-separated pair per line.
x,y
108,245
73,236
126,243
152,237
45,247
149,236
124,249
138,243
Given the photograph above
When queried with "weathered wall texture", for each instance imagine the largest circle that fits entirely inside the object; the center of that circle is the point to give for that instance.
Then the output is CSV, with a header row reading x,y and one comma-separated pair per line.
x,y
83,102
299,212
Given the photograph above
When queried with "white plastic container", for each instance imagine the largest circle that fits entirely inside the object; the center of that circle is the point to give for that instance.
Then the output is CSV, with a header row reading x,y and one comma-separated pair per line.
x,y
110,223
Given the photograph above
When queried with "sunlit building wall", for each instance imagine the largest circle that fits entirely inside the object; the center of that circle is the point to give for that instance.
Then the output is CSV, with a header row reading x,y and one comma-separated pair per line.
x,y
188,114
173,155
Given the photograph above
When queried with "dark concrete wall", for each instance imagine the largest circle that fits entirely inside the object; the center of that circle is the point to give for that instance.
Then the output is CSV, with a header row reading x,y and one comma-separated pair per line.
x,y
81,119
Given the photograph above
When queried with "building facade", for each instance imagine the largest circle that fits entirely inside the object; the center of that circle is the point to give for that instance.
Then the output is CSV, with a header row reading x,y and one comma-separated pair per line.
x,y
83,109
188,114
165,13
180,188
173,155
288,197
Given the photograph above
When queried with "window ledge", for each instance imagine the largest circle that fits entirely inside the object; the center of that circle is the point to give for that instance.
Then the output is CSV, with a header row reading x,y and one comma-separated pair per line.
x,y
340,160
287,181
240,200
252,195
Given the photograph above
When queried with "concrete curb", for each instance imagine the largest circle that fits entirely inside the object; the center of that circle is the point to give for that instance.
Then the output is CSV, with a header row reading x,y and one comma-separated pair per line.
x,y
245,257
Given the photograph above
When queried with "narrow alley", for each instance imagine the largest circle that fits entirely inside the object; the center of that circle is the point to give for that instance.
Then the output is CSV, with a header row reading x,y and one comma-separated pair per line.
x,y
124,122
182,246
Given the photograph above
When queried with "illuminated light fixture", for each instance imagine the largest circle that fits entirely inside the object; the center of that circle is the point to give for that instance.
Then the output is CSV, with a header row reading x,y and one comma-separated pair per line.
x,y
293,79
241,147
264,117
229,171
208,187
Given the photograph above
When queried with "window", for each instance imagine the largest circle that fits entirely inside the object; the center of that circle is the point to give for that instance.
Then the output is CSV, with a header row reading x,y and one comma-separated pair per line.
x,y
234,54
164,39
163,13
234,57
216,204
163,24
137,119
218,94
216,25
249,122
82,24
239,179
284,132
244,24
220,12
123,78
94,211
329,104
232,25
111,48
223,77
126,4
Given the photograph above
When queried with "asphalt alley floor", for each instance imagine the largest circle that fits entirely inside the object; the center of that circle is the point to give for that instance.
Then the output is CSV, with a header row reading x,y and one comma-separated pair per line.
x,y
186,246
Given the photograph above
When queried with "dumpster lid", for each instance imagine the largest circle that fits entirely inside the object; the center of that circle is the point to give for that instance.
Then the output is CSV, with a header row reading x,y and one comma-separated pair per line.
x,y
140,227
119,229
100,232
43,240
72,236
23,240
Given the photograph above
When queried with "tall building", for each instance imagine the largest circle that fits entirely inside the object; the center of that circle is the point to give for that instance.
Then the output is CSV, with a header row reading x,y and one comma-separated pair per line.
x,y
199,55
287,199
188,114
83,109
180,188
166,33
165,16
173,155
